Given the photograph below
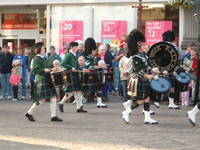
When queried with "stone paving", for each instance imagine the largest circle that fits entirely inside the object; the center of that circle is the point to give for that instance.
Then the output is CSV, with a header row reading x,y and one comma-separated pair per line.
x,y
99,129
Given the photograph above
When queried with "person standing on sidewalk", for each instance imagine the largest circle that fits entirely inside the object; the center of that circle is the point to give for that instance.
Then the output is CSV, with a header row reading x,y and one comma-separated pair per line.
x,y
52,56
125,66
19,61
15,80
44,88
5,69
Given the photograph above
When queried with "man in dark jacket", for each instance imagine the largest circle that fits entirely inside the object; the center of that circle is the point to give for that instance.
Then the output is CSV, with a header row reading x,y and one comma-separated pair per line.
x,y
108,56
6,59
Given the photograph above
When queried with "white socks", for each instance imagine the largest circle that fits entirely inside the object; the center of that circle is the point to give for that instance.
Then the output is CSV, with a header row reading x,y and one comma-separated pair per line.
x,y
78,99
33,107
65,98
53,106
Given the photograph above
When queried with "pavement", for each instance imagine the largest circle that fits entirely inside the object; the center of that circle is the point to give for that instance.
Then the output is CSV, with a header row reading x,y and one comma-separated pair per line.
x,y
99,129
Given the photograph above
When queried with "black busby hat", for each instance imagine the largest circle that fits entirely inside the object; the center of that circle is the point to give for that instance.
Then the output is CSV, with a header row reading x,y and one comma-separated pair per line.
x,y
168,36
134,38
90,45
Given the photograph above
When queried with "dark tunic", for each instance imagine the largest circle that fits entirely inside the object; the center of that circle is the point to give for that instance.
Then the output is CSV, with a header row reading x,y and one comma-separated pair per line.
x,y
97,75
139,86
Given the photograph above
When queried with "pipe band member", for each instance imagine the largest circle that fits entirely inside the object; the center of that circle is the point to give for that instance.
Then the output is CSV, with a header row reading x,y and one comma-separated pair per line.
x,y
70,63
44,88
139,82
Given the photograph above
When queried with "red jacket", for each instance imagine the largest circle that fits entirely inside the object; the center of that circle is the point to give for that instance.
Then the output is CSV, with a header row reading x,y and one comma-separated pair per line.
x,y
195,65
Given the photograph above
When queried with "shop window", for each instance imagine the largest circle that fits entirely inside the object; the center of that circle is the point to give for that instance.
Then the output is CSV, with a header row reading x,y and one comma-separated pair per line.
x,y
27,43
161,12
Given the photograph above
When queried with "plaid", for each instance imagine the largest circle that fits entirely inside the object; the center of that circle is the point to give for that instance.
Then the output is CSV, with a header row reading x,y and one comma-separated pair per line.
x,y
143,89
89,88
75,85
171,79
43,90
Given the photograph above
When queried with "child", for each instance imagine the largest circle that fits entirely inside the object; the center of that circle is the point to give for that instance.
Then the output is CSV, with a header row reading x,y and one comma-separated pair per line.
x,y
122,42
15,80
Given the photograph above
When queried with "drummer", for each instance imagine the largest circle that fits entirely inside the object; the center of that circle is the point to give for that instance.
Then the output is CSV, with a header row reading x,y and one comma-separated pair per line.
x,y
139,82
71,64
169,36
90,53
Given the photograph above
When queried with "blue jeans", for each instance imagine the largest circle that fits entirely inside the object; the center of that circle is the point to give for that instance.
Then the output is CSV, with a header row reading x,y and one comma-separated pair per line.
x,y
5,83
118,80
23,80
124,87
107,87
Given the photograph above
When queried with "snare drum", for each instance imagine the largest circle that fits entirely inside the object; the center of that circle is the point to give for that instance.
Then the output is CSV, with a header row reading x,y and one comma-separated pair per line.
x,y
108,77
88,77
159,89
61,78
182,81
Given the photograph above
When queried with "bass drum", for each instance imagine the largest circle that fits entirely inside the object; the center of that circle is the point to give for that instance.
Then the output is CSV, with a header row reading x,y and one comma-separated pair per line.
x,y
159,89
182,80
165,56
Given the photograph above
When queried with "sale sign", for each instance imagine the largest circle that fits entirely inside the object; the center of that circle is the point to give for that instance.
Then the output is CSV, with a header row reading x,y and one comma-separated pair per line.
x,y
69,31
155,29
19,21
112,31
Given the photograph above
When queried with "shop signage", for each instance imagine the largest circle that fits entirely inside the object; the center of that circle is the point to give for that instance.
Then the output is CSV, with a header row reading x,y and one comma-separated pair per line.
x,y
155,29
19,21
69,31
112,31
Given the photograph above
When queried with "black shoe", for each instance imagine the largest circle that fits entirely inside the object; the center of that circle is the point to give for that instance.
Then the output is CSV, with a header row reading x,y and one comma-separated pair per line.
x,y
81,110
30,117
61,107
56,119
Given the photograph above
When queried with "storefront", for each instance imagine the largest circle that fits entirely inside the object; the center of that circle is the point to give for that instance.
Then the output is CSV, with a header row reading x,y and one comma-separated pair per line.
x,y
21,26
60,22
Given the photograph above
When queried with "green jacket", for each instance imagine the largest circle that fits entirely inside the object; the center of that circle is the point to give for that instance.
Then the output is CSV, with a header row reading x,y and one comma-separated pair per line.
x,y
70,61
51,58
39,64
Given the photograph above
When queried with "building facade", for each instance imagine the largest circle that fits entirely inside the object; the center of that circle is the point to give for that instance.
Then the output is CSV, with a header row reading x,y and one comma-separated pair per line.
x,y
56,22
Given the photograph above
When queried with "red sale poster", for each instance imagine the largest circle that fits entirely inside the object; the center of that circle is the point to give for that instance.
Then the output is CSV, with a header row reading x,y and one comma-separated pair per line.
x,y
69,31
155,29
112,31
19,21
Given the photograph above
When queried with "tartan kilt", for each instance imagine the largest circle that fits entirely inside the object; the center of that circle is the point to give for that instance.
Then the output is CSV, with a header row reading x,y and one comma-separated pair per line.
x,y
143,90
43,89
99,87
76,83
171,79
89,88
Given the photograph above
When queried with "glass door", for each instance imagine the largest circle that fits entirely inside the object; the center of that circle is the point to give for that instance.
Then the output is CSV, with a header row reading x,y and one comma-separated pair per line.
x,y
11,43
